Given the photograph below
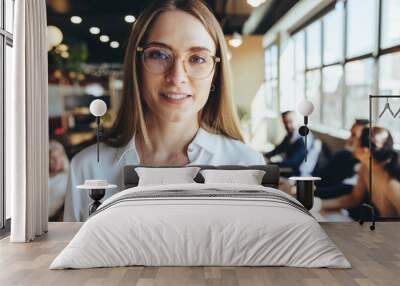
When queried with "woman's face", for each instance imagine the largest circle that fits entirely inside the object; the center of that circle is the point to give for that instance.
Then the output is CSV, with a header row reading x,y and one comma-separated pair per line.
x,y
55,161
175,96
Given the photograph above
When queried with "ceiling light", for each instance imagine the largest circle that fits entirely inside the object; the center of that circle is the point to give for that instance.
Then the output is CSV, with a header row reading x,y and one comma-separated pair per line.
x,y
130,18
236,40
76,19
94,30
255,3
54,36
114,44
104,38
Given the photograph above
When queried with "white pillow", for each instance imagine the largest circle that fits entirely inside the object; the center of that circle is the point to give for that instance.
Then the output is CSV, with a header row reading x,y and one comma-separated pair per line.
x,y
248,177
162,176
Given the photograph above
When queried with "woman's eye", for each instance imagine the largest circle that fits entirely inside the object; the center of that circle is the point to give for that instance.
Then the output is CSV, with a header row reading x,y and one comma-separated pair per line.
x,y
159,55
195,59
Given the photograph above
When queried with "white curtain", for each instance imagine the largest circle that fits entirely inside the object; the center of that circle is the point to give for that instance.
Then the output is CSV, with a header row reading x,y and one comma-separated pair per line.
x,y
27,123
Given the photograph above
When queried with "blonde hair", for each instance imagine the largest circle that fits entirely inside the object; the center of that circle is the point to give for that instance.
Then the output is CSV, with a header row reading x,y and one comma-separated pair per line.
x,y
57,146
217,116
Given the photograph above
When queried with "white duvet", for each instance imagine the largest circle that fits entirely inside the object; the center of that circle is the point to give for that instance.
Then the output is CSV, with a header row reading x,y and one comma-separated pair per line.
x,y
233,230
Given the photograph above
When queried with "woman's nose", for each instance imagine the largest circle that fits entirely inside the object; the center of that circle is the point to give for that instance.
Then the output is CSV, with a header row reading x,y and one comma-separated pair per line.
x,y
177,72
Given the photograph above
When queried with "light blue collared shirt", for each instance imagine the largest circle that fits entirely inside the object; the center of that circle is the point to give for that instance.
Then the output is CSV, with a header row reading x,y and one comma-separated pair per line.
x,y
205,149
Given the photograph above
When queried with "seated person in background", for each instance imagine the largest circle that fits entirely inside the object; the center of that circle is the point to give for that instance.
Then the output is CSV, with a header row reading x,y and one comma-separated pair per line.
x,y
385,172
291,148
58,177
339,174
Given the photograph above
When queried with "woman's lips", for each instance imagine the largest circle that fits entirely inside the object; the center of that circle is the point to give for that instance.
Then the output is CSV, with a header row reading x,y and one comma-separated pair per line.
x,y
175,98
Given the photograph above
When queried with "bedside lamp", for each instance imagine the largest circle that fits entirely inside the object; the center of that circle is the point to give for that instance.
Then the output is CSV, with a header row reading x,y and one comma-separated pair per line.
x,y
305,185
98,108
97,188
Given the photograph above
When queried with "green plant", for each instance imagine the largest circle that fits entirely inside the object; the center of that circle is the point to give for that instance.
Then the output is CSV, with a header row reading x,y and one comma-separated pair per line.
x,y
70,61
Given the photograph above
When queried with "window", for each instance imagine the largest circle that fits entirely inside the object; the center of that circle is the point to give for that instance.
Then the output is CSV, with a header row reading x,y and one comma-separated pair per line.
x,y
359,85
313,82
7,93
300,54
271,77
299,87
340,85
313,52
332,77
271,63
9,12
333,36
299,62
389,84
6,40
390,30
361,36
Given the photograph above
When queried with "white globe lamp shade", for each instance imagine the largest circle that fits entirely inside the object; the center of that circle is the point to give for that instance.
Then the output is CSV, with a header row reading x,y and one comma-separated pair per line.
x,y
54,36
98,107
305,107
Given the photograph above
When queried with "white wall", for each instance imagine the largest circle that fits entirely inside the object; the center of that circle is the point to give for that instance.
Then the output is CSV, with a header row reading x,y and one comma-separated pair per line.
x,y
247,64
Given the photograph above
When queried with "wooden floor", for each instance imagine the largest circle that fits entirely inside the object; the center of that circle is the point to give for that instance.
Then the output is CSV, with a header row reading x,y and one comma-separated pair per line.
x,y
374,255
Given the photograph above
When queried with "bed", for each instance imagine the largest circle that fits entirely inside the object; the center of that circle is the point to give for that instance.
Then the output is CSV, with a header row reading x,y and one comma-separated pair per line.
x,y
201,224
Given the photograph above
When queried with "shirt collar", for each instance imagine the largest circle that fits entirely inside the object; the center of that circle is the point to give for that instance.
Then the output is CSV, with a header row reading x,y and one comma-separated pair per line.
x,y
122,151
203,140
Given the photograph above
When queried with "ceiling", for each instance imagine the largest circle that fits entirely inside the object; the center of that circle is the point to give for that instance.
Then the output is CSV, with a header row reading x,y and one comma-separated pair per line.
x,y
109,17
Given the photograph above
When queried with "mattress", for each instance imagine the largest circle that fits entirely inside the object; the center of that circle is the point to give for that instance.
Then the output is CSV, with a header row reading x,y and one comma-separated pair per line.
x,y
201,225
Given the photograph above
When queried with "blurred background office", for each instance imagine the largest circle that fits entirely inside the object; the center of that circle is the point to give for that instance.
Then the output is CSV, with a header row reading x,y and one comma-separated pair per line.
x,y
333,52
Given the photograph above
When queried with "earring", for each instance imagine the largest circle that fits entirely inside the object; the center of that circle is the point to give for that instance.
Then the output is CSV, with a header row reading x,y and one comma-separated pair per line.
x,y
212,89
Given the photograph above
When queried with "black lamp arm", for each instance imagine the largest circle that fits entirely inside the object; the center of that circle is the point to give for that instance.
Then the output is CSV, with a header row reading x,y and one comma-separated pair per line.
x,y
98,136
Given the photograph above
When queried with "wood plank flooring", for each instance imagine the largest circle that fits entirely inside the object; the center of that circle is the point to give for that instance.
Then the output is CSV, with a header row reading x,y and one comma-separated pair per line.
x,y
374,255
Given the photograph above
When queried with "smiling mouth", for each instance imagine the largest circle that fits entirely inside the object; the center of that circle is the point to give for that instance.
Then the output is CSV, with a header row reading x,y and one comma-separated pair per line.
x,y
175,98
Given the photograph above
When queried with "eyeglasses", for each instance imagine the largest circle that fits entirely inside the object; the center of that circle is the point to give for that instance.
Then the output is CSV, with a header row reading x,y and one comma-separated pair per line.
x,y
159,60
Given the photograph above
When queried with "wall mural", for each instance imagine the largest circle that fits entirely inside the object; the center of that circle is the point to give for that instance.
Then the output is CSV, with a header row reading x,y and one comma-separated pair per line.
x,y
153,94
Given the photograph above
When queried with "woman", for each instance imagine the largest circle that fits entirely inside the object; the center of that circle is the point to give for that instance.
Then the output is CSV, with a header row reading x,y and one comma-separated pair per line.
x,y
177,106
385,175
58,174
